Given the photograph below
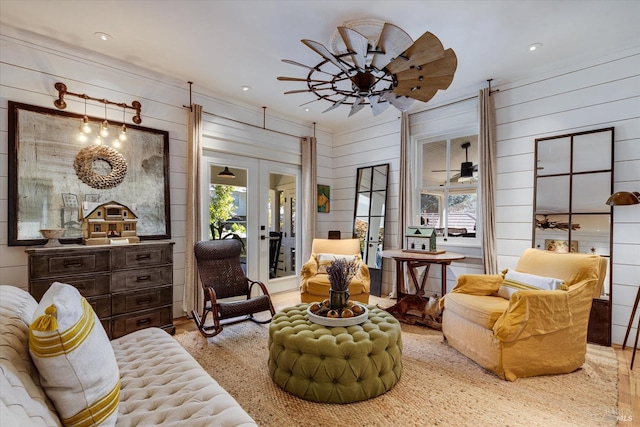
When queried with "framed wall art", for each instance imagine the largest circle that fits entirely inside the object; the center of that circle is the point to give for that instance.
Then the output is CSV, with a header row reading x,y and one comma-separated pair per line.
x,y
53,176
324,198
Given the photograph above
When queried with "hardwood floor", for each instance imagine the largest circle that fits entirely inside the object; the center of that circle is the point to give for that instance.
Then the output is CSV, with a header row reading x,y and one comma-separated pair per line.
x,y
628,380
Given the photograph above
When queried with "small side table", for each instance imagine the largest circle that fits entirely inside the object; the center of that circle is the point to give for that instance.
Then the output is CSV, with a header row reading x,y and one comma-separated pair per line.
x,y
633,315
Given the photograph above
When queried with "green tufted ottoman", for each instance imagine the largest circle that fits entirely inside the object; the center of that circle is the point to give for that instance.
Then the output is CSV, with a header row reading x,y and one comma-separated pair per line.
x,y
334,365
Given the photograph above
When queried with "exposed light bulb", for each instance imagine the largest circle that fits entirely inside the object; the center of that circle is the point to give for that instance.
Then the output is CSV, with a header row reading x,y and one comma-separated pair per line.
x,y
85,125
116,143
82,137
98,140
123,133
104,130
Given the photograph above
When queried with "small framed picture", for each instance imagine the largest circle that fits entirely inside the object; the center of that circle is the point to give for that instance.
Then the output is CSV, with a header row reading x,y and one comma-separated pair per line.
x,y
561,245
324,193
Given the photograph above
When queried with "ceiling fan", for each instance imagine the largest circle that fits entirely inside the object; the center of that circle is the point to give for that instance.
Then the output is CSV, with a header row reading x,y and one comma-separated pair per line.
x,y
467,168
379,69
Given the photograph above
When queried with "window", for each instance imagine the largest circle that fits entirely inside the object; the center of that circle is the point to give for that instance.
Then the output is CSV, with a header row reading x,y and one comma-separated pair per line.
x,y
448,188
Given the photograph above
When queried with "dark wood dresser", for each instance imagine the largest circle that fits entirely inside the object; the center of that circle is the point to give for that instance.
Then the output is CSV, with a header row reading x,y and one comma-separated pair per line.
x,y
130,287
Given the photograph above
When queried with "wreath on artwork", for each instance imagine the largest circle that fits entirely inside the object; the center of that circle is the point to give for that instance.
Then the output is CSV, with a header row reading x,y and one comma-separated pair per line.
x,y
83,164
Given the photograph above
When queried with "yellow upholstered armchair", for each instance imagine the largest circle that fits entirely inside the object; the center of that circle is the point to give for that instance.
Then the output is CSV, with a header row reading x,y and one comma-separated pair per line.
x,y
314,281
528,321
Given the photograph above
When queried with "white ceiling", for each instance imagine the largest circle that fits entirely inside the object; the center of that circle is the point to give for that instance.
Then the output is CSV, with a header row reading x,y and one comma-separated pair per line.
x,y
222,45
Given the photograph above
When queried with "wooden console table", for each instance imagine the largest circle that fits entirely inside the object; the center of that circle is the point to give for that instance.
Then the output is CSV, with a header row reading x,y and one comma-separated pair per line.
x,y
413,260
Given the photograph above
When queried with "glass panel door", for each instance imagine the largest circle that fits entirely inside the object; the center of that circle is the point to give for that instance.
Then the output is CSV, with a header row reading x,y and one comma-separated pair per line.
x,y
256,206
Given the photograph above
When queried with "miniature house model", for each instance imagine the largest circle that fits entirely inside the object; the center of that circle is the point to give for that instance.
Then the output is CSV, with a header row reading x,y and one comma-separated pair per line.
x,y
421,239
107,222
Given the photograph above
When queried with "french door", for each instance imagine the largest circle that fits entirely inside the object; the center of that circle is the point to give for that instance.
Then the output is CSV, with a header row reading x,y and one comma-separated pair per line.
x,y
257,206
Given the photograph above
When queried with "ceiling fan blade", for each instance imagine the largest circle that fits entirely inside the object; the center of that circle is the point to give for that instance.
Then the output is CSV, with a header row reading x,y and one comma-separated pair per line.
x,y
424,50
357,44
288,61
298,79
442,82
392,42
306,90
377,105
357,106
440,68
402,103
423,94
325,53
336,104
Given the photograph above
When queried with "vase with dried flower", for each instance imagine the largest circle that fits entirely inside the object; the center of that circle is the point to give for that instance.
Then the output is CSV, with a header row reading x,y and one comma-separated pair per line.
x,y
340,273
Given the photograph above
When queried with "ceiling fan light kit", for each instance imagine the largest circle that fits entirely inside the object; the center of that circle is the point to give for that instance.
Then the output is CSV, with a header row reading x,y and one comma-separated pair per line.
x,y
379,65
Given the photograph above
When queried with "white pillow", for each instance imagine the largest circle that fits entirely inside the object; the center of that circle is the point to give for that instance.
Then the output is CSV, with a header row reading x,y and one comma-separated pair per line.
x,y
515,281
74,357
325,260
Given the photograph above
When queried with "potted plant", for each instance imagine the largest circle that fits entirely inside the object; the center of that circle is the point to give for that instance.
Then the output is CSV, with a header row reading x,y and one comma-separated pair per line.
x,y
340,273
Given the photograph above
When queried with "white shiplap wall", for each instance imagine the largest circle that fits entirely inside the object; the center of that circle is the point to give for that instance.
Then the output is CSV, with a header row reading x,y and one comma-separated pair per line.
x,y
600,93
30,66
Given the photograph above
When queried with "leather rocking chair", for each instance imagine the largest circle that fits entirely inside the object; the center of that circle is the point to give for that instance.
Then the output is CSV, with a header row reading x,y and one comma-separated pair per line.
x,y
222,277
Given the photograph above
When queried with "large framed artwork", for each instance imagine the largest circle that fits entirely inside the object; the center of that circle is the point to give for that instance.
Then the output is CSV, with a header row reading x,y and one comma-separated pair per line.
x,y
54,177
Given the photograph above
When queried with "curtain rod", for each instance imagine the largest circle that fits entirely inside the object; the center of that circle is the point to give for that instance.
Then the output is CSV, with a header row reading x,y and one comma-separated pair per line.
x,y
444,105
458,101
250,124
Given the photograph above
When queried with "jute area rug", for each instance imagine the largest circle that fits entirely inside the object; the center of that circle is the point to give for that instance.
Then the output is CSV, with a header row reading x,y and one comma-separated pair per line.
x,y
438,387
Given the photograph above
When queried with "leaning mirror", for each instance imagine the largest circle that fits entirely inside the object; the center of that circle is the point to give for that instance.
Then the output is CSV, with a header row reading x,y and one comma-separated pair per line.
x,y
573,179
369,217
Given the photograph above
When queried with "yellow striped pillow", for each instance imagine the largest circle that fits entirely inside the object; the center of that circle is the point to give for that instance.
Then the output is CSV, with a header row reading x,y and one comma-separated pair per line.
x,y
77,366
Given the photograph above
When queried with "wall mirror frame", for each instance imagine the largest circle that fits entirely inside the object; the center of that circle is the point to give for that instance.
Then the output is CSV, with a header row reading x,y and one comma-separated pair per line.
x,y
369,217
44,190
573,180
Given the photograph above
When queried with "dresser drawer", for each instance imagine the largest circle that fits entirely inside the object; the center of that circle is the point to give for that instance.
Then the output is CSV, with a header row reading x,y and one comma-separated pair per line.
x,y
97,284
140,256
68,264
131,280
141,300
101,305
125,324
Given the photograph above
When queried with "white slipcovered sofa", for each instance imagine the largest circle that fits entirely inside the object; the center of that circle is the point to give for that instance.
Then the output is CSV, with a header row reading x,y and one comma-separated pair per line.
x,y
160,383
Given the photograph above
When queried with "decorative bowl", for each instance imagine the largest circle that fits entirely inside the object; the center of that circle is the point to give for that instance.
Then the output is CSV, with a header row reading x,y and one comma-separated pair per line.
x,y
53,234
338,321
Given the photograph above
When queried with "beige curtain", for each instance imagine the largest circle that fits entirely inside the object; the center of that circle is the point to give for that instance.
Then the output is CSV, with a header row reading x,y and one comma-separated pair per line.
x,y
487,142
192,295
405,186
309,192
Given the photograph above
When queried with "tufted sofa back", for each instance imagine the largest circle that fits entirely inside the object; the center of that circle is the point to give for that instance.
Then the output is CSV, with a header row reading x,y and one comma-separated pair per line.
x,y
22,400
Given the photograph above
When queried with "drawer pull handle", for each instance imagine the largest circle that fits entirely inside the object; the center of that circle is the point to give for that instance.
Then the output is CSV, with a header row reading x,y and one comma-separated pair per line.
x,y
144,301
143,278
144,321
140,257
73,263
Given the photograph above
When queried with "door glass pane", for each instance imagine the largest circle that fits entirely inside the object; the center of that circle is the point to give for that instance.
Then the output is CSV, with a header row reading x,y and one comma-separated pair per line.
x,y
281,217
228,206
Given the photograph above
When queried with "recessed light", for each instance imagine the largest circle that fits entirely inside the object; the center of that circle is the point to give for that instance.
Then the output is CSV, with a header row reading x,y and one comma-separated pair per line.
x,y
535,46
103,36
307,109
245,88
